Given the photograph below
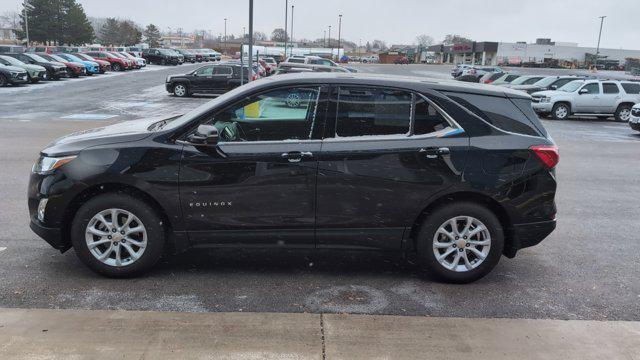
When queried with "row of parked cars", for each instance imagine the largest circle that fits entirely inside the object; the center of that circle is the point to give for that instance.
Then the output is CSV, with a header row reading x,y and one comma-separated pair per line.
x,y
562,96
224,76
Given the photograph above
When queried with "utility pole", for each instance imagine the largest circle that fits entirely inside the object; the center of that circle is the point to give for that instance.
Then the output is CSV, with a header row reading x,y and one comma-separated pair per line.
x,y
292,8
324,38
225,36
339,34
26,7
250,69
599,37
286,21
331,46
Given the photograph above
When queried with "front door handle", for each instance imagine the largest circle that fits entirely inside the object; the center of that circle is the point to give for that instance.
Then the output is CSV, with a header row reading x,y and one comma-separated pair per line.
x,y
433,153
297,156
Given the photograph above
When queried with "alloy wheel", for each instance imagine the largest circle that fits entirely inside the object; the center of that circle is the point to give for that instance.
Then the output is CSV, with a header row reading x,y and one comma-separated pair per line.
x,y
116,237
461,243
180,90
562,112
624,114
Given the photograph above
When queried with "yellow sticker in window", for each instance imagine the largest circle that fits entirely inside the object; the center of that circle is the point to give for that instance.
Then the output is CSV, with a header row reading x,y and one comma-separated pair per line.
x,y
252,111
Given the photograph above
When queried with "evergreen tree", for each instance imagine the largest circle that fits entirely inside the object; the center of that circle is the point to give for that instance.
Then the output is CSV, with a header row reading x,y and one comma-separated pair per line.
x,y
78,29
152,34
110,32
55,22
129,34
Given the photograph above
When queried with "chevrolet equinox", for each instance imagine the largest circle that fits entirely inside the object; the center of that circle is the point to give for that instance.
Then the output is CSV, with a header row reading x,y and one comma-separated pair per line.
x,y
458,173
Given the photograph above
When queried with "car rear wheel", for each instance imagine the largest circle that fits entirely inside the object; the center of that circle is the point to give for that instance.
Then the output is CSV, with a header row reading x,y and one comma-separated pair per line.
x,y
623,113
181,90
460,242
117,235
560,111
116,67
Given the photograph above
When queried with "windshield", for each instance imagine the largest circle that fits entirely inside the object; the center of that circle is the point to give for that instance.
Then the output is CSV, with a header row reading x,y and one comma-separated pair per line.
x,y
523,80
546,81
37,58
56,58
572,86
73,58
10,60
166,52
86,57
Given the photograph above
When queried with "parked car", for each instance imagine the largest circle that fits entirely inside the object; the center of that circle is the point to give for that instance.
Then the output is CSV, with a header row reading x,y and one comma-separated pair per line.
x,y
403,60
505,79
130,64
601,98
11,49
458,69
634,120
35,73
316,60
209,79
546,83
390,169
370,59
490,77
524,80
91,67
12,75
103,66
480,71
74,69
55,70
135,51
117,63
270,64
162,56
189,56
288,68
137,62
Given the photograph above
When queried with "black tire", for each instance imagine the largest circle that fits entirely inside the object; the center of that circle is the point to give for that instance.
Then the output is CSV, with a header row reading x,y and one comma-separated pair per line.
x,y
438,217
623,108
116,67
149,218
3,81
163,62
560,111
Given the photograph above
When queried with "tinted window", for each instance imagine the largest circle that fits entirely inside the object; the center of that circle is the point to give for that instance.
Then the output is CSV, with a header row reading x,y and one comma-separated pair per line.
x,y
610,88
631,88
427,118
562,82
498,111
222,70
205,71
593,88
297,61
372,111
532,81
283,114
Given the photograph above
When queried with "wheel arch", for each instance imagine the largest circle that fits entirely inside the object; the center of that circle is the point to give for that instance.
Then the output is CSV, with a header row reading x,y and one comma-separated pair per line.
x,y
467,196
105,188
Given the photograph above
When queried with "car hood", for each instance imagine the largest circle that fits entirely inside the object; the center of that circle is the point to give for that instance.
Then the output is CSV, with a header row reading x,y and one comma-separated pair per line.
x,y
112,134
550,93
12,68
524,87
57,64
34,67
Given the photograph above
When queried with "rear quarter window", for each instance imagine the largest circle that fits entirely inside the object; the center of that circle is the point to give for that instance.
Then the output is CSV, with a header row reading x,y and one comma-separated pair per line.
x,y
503,113
631,88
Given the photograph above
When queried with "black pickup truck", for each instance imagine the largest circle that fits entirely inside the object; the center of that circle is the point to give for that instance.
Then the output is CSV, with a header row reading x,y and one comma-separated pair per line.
x,y
209,79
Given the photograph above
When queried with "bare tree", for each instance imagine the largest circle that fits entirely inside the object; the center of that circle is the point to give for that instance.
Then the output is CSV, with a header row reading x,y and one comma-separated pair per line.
x,y
424,40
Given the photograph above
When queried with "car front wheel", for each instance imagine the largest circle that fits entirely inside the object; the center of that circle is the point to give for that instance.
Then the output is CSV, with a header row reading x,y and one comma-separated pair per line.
x,y
117,235
561,111
623,113
460,242
180,90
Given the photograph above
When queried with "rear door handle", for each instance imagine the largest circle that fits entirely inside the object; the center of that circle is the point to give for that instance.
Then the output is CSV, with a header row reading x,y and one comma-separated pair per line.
x,y
297,156
433,153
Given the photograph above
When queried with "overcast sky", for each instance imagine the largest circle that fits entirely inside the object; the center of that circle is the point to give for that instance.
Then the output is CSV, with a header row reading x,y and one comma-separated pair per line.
x,y
394,21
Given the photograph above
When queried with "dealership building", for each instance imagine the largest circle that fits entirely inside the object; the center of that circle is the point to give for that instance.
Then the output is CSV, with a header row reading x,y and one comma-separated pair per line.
x,y
543,50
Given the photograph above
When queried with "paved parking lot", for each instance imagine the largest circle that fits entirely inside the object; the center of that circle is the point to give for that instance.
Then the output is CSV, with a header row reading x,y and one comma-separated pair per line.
x,y
585,270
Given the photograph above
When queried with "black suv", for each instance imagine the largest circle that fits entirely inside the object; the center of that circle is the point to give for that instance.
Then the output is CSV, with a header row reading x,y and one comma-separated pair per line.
x,y
209,79
188,55
162,57
458,174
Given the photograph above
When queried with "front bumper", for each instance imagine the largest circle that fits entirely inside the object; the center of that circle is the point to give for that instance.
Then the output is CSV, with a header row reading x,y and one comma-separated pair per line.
x,y
20,79
634,122
527,235
53,236
541,107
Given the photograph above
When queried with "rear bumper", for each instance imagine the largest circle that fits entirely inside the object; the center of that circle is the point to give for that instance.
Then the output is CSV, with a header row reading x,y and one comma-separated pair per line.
x,y
527,235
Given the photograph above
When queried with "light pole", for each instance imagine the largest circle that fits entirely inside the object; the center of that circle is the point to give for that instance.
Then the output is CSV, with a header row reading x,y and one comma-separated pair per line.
x,y
330,42
26,6
225,36
250,69
324,38
291,51
339,34
286,21
599,37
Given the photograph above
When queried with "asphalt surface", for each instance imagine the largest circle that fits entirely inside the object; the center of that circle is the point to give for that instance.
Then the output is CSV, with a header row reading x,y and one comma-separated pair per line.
x,y
586,269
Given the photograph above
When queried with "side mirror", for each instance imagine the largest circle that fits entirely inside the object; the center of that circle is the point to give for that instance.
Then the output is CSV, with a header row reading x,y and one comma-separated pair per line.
x,y
583,91
206,135
554,87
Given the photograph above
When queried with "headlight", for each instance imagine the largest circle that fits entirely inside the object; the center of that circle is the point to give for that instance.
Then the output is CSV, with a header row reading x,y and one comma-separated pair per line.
x,y
15,74
47,164
545,99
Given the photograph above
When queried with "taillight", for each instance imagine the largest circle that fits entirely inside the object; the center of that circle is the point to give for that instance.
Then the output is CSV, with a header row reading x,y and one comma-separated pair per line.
x,y
548,154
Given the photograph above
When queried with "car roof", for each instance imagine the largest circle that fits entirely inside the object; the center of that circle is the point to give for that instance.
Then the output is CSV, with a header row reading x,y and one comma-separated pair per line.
x,y
415,83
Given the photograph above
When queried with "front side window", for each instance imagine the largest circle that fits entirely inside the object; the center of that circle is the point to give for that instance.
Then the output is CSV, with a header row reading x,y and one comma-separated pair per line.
x,y
278,115
205,71
373,112
222,70
593,88
610,88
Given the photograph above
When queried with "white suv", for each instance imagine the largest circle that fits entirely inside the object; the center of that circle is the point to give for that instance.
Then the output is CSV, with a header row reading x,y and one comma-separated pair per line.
x,y
601,98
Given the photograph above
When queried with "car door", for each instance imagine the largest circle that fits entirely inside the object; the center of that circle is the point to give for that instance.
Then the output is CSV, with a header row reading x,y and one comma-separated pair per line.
x,y
222,76
607,104
258,187
587,98
380,162
202,79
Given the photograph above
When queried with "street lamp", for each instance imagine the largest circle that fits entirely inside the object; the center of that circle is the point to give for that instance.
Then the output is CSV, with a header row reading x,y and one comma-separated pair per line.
x,y
339,34
292,8
250,69
331,46
324,38
26,6
599,37
286,21
225,36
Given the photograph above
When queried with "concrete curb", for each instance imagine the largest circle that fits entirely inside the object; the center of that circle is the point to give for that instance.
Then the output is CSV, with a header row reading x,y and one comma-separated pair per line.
x,y
99,334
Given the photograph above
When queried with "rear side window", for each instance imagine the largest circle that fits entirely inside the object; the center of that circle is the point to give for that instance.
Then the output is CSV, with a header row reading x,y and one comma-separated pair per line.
x,y
373,111
427,118
631,88
500,112
222,70
610,88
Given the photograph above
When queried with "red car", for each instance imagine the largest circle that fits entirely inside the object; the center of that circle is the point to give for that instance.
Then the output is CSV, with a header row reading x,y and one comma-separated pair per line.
x,y
402,60
117,63
130,64
104,65
74,69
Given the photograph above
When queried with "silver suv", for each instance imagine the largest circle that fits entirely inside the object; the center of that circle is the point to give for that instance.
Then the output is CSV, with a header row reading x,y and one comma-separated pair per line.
x,y
601,98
